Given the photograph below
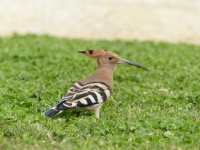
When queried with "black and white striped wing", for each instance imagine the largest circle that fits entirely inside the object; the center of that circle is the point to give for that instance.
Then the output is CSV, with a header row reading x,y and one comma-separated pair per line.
x,y
76,88
85,95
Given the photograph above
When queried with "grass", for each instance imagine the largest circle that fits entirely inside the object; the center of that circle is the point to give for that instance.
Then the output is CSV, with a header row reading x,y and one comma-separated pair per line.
x,y
158,109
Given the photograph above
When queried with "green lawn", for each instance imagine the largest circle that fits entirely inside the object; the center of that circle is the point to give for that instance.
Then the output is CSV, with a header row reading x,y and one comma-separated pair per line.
x,y
156,109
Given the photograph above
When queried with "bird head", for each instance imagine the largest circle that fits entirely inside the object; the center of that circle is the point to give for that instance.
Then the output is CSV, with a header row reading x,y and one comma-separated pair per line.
x,y
107,58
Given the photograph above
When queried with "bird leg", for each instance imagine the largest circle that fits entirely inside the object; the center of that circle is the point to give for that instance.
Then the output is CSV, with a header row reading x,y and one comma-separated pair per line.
x,y
97,111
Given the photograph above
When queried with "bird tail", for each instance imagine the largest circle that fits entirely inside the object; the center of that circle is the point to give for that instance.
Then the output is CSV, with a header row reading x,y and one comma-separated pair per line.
x,y
58,109
52,112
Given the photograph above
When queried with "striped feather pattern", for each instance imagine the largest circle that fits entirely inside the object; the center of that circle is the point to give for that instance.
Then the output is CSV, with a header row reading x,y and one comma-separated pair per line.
x,y
85,95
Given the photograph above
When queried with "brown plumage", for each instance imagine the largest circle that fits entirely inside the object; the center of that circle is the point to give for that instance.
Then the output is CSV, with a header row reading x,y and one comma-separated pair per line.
x,y
92,92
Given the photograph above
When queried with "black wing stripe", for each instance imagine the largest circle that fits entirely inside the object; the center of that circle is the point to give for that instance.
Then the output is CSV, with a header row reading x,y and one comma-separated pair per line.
x,y
82,103
81,95
94,96
89,101
103,95
63,105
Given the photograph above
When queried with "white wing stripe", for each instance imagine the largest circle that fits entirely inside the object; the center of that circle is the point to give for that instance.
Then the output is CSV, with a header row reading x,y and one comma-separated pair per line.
x,y
107,92
77,85
92,99
96,84
65,105
83,101
100,100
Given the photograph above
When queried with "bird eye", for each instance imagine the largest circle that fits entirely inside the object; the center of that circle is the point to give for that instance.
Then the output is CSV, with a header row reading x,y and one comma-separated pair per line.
x,y
110,58
90,51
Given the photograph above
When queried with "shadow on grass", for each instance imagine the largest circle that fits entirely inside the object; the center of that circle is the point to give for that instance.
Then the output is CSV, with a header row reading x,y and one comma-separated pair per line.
x,y
72,114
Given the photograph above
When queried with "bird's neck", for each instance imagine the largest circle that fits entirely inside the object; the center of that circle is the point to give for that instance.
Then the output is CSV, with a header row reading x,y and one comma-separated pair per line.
x,y
103,74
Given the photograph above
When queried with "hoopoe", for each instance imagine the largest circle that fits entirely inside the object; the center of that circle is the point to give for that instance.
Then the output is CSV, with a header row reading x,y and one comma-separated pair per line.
x,y
92,92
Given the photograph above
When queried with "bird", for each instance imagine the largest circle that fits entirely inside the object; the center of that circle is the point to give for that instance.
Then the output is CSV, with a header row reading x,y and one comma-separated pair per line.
x,y
91,93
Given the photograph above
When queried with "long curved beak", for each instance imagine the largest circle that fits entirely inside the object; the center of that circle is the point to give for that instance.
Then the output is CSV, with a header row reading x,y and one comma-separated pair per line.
x,y
124,61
